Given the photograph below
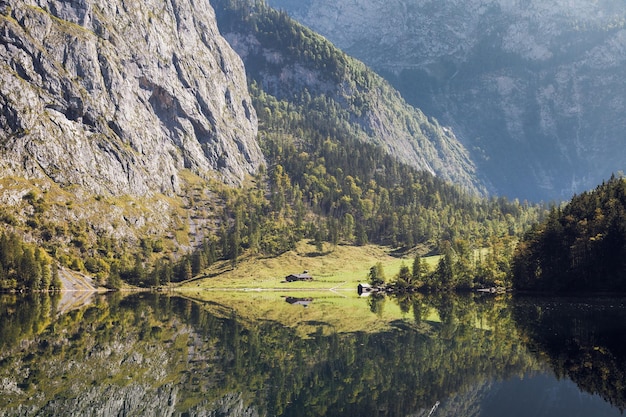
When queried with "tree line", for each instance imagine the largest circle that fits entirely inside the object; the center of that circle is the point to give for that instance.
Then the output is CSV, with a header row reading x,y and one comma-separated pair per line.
x,y
458,268
25,267
578,247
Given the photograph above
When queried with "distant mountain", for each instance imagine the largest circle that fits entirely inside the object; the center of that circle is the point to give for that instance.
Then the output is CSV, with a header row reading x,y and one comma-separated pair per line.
x,y
292,63
118,97
535,90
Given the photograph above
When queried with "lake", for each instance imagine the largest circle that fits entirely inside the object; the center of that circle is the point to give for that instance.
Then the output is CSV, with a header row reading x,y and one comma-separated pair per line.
x,y
323,353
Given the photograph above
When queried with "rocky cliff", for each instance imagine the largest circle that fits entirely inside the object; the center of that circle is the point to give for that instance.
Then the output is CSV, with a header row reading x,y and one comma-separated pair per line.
x,y
118,97
534,89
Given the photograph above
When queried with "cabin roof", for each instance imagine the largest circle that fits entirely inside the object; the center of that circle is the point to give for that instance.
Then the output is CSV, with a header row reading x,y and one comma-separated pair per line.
x,y
305,274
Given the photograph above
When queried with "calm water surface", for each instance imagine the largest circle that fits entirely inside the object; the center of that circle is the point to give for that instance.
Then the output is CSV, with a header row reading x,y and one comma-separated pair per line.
x,y
322,354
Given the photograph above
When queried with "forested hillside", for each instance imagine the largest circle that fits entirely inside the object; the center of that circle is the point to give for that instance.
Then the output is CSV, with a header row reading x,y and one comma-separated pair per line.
x,y
24,266
332,176
326,184
580,247
292,63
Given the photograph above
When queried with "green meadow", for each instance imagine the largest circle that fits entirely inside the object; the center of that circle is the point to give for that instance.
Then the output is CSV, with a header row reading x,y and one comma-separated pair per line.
x,y
337,268
255,289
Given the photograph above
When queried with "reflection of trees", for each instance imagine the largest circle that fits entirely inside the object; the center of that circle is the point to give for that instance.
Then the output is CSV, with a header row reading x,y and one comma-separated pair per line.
x,y
209,353
377,303
582,339
24,316
406,369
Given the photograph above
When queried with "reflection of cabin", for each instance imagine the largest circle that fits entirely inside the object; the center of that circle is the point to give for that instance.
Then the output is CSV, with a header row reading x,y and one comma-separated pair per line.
x,y
299,301
299,277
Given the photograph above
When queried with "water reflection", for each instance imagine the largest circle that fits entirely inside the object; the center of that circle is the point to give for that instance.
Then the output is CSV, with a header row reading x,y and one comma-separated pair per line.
x,y
152,354
582,339
299,301
24,316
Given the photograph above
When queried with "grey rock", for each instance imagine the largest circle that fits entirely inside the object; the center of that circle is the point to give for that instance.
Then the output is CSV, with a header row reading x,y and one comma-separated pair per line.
x,y
119,97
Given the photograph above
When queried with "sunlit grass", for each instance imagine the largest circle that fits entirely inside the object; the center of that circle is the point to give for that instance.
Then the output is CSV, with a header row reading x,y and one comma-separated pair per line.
x,y
255,289
340,268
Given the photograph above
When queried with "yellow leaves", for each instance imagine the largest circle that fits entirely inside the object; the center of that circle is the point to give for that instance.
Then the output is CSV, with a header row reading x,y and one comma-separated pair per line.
x,y
596,238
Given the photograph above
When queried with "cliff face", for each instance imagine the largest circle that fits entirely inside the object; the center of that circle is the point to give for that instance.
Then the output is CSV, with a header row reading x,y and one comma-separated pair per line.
x,y
534,89
119,96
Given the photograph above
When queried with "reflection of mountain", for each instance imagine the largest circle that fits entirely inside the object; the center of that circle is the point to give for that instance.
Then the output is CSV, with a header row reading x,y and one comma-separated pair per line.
x,y
583,340
150,354
536,395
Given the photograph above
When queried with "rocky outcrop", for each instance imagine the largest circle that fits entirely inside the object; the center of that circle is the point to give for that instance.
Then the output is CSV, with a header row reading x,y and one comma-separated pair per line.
x,y
119,97
533,89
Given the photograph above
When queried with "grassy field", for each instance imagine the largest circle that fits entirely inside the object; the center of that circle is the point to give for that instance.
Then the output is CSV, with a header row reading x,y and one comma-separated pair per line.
x,y
256,289
339,268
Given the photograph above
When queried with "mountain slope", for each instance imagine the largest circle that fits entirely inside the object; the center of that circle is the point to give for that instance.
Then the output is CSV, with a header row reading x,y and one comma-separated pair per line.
x,y
118,97
115,120
292,63
534,90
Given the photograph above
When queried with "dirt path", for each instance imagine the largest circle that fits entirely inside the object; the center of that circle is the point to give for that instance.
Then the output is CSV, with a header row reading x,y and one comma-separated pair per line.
x,y
77,290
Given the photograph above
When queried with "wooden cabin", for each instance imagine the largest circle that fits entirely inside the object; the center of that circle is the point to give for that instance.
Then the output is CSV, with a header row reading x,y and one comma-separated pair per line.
x,y
299,277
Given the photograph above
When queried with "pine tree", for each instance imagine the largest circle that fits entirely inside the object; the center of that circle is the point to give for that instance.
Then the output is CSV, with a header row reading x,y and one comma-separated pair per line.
x,y
376,276
416,273
114,281
403,279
